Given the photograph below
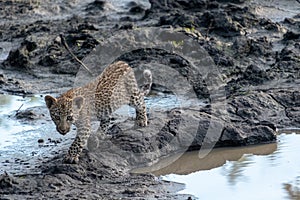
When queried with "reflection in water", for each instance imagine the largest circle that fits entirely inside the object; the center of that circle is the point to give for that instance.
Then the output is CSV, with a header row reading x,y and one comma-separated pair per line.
x,y
293,191
190,162
269,171
235,170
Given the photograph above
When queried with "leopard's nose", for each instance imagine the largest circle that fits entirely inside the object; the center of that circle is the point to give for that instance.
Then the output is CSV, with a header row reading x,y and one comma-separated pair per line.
x,y
62,131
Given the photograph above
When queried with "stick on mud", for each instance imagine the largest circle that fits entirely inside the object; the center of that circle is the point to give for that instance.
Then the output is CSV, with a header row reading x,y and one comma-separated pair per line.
x,y
74,56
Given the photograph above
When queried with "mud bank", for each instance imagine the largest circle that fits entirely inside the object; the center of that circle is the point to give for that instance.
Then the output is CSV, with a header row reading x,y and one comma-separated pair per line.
x,y
257,61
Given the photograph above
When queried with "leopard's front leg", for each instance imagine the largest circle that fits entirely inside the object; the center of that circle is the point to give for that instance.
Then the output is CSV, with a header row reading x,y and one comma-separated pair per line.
x,y
74,152
83,133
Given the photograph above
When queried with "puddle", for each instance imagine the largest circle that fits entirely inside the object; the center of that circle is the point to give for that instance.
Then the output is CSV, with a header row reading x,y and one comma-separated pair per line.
x,y
122,5
20,151
160,102
5,48
9,106
269,171
276,10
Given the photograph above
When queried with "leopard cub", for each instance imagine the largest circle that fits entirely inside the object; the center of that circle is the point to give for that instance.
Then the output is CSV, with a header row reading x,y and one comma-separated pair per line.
x,y
114,87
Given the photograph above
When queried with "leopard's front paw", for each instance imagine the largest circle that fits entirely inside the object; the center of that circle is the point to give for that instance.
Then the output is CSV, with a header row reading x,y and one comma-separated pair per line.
x,y
71,159
141,123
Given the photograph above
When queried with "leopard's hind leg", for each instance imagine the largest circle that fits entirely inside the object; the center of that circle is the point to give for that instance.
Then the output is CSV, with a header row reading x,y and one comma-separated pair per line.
x,y
136,99
103,127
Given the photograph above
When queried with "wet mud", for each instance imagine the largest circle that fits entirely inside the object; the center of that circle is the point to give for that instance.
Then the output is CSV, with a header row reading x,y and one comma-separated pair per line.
x,y
257,60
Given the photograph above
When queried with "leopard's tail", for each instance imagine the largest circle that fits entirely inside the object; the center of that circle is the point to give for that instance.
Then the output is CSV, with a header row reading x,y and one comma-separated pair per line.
x,y
146,87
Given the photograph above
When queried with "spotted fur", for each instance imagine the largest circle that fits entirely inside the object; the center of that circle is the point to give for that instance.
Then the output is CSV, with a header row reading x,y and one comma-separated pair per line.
x,y
116,86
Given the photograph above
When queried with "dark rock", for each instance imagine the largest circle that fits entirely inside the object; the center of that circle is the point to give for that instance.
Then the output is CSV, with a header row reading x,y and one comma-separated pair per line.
x,y
2,79
253,75
290,53
30,44
19,59
269,25
256,47
6,181
136,9
287,98
179,20
87,26
96,5
133,144
40,140
232,136
290,35
83,42
288,62
229,1
222,24
27,114
260,135
48,60
180,5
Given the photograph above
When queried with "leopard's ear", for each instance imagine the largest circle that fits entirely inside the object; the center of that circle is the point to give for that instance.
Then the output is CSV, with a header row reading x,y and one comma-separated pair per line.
x,y
49,101
78,102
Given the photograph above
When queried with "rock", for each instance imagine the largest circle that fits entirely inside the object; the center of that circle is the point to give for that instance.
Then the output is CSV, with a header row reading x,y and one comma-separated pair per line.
x,y
234,1
254,47
7,181
27,114
222,24
287,64
2,79
252,76
193,130
19,59
290,101
168,5
97,4
290,35
255,76
30,44
40,140
136,9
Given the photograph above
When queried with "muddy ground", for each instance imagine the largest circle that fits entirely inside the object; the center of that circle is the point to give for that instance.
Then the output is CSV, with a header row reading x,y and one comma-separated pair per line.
x,y
257,60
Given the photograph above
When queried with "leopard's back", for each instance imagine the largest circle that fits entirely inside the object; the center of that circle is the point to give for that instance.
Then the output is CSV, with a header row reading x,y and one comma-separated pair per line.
x,y
115,87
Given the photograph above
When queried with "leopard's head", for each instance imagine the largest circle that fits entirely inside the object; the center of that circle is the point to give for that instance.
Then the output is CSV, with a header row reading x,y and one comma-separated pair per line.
x,y
62,111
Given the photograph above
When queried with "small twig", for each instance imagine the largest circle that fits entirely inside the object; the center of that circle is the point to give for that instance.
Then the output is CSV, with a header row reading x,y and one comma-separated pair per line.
x,y
19,109
73,55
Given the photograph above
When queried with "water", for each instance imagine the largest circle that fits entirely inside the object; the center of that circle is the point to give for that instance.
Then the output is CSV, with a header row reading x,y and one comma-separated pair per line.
x,y
20,151
269,171
5,47
122,5
276,10
9,106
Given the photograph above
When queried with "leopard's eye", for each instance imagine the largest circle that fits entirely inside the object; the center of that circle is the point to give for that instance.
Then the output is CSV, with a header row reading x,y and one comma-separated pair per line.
x,y
57,117
70,118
